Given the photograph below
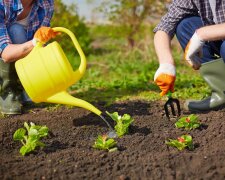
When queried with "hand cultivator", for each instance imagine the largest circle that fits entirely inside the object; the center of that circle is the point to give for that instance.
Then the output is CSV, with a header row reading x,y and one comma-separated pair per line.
x,y
173,105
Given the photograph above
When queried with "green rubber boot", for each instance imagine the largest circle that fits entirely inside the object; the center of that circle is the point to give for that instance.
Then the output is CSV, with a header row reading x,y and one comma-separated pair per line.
x,y
10,89
213,73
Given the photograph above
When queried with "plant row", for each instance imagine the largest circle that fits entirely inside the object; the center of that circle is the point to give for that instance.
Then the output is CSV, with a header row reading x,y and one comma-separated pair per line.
x,y
31,135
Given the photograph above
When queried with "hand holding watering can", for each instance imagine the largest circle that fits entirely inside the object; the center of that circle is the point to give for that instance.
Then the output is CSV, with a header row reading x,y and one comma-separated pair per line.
x,y
43,35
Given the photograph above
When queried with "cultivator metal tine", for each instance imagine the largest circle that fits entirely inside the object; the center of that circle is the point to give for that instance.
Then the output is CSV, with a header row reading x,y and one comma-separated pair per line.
x,y
174,106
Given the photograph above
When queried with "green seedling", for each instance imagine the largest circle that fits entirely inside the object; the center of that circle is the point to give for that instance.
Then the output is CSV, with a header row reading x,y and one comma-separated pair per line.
x,y
188,122
105,143
122,123
182,142
30,137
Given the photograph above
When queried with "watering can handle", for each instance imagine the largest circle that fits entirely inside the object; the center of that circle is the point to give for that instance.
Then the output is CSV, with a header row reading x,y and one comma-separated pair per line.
x,y
82,66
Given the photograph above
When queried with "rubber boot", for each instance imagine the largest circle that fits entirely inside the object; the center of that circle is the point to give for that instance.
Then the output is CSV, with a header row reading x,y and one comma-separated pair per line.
x,y
213,73
10,89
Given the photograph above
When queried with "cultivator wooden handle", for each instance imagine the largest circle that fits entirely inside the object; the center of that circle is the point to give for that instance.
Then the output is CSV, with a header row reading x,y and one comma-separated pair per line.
x,y
172,105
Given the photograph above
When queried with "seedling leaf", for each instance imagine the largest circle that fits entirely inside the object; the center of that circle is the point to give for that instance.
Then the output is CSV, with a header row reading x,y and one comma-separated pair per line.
x,y
122,122
30,137
104,143
181,142
19,134
188,122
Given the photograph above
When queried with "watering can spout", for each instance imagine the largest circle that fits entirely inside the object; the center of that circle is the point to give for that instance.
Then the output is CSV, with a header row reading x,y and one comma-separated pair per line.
x,y
67,99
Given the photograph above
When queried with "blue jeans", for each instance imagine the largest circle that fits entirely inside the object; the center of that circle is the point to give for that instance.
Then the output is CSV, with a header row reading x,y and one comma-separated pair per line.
x,y
187,27
17,33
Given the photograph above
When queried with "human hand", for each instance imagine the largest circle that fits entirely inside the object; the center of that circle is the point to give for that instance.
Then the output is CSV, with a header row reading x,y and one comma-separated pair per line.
x,y
193,51
165,78
43,35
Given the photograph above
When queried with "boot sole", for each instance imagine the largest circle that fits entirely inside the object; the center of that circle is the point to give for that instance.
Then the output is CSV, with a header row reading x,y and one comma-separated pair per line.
x,y
11,113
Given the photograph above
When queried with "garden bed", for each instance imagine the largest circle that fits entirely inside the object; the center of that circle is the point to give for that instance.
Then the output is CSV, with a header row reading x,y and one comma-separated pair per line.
x,y
142,154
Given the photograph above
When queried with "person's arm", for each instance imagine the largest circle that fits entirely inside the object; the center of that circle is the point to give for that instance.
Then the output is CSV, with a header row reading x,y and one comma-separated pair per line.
x,y
166,73
212,33
14,52
162,42
193,50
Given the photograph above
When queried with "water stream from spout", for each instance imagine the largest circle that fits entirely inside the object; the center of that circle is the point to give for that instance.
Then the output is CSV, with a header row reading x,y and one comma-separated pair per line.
x,y
111,133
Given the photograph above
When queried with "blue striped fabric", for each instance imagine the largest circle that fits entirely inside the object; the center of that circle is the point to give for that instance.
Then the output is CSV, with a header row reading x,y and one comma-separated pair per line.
x,y
180,9
40,15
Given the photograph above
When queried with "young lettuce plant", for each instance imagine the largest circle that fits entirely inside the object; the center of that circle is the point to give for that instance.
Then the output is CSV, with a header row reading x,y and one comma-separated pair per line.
x,y
30,137
122,122
181,142
105,143
188,122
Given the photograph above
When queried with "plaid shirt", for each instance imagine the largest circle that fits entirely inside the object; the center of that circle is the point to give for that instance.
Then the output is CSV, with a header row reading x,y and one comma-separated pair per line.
x,y
179,9
41,14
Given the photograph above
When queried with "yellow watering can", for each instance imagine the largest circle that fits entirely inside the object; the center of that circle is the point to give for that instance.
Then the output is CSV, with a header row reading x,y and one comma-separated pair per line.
x,y
46,73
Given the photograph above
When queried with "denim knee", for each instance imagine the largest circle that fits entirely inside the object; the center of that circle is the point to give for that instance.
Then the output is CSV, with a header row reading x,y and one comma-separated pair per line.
x,y
17,33
186,28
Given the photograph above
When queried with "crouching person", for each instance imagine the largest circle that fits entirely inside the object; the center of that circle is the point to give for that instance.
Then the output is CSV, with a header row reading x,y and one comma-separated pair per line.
x,y
199,27
22,24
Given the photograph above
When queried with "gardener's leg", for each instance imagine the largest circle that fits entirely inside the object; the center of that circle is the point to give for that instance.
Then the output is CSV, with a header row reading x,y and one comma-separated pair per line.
x,y
186,28
213,72
11,89
18,35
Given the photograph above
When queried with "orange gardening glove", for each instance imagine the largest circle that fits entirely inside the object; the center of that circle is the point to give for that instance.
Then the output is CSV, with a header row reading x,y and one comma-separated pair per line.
x,y
44,34
165,78
193,51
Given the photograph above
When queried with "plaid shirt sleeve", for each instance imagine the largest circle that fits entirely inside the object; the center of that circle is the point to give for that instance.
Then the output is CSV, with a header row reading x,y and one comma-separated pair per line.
x,y
4,37
49,13
177,11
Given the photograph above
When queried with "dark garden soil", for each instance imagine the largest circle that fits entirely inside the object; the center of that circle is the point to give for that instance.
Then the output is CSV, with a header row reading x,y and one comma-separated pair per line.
x,y
142,153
